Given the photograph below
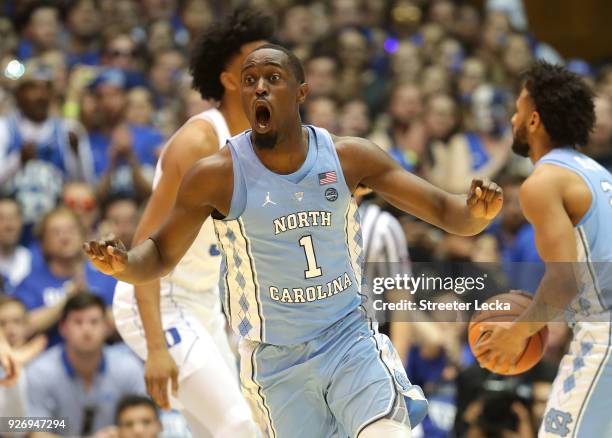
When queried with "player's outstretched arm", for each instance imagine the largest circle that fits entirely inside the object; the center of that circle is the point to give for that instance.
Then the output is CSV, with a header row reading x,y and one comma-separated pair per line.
x,y
364,162
204,188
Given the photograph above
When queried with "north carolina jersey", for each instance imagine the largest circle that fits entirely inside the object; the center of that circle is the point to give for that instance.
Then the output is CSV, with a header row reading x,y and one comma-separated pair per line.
x,y
198,270
593,233
291,245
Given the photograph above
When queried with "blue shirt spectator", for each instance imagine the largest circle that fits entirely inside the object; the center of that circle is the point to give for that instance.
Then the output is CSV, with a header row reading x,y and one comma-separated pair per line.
x,y
82,380
40,152
124,155
60,272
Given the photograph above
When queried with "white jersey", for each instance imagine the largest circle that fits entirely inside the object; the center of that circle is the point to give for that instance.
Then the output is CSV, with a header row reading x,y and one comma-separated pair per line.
x,y
198,271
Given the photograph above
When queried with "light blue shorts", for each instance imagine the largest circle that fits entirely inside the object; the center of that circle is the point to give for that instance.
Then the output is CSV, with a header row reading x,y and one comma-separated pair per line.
x,y
332,386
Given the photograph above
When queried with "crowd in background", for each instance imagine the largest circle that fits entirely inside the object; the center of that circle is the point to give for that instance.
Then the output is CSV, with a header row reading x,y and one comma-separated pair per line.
x,y
91,89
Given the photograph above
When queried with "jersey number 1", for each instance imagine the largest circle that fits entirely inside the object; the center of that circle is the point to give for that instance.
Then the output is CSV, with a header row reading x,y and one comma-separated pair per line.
x,y
311,261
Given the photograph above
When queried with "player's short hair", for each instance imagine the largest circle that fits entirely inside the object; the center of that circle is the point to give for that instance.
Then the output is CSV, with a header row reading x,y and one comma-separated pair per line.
x,y
221,42
131,401
82,301
294,63
563,100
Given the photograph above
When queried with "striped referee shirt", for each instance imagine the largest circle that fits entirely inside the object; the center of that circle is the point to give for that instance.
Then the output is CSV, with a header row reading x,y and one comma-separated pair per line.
x,y
384,243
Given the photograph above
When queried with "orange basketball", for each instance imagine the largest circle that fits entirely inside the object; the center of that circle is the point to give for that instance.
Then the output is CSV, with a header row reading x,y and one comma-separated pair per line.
x,y
517,302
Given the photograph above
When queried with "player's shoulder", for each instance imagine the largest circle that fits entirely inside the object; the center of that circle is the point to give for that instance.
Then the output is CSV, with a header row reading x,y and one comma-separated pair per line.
x,y
195,139
352,147
210,174
545,185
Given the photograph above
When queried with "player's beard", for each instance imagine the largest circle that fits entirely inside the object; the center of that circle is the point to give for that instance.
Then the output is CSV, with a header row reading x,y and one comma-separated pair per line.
x,y
265,141
519,144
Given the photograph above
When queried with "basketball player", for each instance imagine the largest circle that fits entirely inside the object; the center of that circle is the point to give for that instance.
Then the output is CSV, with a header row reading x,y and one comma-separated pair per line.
x,y
312,365
191,329
568,199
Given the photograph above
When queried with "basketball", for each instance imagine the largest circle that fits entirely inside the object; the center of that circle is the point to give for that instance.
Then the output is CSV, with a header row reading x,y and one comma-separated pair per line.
x,y
518,302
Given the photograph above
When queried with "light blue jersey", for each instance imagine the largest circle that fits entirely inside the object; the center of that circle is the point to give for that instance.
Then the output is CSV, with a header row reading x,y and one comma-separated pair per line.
x,y
291,245
579,405
593,233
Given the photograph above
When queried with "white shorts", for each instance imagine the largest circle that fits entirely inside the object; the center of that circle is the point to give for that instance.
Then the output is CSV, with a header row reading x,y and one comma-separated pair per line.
x,y
187,318
580,403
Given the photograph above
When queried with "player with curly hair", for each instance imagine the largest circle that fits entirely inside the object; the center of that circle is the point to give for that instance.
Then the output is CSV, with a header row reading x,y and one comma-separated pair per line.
x,y
176,323
568,200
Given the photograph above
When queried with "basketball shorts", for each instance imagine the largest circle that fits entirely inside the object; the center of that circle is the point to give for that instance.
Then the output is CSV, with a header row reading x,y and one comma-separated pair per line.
x,y
580,404
194,328
332,386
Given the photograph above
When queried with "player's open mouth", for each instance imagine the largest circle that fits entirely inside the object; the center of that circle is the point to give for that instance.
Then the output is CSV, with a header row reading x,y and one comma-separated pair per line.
x,y
262,115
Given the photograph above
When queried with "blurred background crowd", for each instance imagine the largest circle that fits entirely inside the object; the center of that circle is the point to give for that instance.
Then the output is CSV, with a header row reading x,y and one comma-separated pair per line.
x,y
91,89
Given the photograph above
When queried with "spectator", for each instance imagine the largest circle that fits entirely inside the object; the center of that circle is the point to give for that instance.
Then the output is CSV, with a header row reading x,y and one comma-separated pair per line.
x,y
322,112
39,151
195,15
83,21
347,13
467,26
120,216
322,75
160,37
407,62
121,53
137,417
14,327
298,30
354,119
8,37
353,53
473,74
600,142
164,76
139,107
60,273
80,197
516,240
82,379
15,260
124,155
404,134
480,153
516,56
441,122
41,29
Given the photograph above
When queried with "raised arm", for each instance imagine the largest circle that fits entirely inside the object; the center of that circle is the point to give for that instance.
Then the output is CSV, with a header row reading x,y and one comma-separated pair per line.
x,y
364,162
204,189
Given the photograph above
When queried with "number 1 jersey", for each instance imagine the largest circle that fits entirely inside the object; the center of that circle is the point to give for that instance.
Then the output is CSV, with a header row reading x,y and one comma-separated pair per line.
x,y
291,244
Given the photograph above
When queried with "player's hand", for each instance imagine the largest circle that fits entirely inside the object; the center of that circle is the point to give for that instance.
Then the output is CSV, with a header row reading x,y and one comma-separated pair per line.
x,y
501,344
160,367
485,199
9,364
108,255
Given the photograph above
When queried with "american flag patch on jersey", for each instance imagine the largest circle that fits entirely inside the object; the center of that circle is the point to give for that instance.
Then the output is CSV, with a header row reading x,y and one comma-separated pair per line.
x,y
327,178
